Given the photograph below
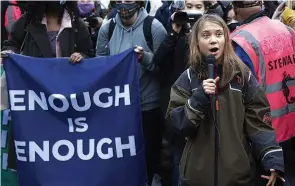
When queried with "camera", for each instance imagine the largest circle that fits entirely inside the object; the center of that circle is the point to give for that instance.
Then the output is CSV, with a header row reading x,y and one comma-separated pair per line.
x,y
92,20
193,17
187,17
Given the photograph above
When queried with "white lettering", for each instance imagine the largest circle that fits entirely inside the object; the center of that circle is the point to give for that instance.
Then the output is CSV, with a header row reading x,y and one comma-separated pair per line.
x,y
79,122
35,149
120,147
97,101
80,148
33,97
62,98
71,125
19,151
125,94
60,103
58,156
86,100
110,153
104,149
14,100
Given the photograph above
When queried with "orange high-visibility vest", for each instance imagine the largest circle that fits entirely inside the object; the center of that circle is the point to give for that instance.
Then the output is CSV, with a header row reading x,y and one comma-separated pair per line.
x,y
271,47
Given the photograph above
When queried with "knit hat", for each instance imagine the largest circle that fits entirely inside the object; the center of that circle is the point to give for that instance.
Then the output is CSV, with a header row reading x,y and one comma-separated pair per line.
x,y
246,4
178,4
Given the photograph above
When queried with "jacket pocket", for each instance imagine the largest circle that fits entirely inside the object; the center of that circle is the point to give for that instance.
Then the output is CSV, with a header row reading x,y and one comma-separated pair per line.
x,y
185,158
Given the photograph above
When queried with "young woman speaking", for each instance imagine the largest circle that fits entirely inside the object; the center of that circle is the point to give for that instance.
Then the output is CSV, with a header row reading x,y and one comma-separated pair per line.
x,y
244,133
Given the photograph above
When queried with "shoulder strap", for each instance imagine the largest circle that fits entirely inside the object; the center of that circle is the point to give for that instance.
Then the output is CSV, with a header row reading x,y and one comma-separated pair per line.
x,y
111,28
26,34
147,31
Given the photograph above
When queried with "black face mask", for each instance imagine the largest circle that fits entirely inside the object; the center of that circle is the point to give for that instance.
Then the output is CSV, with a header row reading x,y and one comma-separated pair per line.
x,y
233,26
126,11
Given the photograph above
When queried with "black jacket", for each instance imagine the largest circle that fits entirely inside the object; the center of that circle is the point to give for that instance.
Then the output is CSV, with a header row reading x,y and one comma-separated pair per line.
x,y
32,39
172,60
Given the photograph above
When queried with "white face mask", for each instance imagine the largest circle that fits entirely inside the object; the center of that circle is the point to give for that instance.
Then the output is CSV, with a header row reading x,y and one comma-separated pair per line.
x,y
193,12
233,21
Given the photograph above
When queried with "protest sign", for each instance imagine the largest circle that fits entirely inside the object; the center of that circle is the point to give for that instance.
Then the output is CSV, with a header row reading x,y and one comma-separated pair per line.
x,y
77,125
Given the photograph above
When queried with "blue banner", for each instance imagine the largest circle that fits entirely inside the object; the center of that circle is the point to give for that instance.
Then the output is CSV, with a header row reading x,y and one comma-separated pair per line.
x,y
76,125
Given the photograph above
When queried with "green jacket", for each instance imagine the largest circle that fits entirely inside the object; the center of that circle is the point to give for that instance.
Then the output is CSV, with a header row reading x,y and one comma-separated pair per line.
x,y
245,131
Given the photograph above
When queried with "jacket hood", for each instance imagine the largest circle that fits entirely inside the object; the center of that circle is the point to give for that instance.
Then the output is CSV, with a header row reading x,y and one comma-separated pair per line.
x,y
277,14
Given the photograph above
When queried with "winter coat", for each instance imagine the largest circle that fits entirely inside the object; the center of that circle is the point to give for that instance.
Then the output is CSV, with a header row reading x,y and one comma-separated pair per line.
x,y
245,131
31,39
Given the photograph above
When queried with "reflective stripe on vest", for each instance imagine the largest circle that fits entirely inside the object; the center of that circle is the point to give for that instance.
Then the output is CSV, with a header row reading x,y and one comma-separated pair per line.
x,y
252,48
12,13
283,111
278,86
271,49
9,18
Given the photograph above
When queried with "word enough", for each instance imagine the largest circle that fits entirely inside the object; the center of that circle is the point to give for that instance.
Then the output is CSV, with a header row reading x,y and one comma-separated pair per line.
x,y
17,99
49,151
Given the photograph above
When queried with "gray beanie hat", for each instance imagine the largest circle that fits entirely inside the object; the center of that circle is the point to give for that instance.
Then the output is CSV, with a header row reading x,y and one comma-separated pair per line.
x,y
178,4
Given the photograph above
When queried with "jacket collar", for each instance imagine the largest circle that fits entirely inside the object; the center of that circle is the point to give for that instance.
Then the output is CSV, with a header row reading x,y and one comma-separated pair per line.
x,y
66,21
253,17
39,33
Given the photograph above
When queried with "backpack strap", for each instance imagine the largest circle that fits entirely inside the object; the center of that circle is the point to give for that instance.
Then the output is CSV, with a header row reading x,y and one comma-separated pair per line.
x,y
147,31
111,28
26,35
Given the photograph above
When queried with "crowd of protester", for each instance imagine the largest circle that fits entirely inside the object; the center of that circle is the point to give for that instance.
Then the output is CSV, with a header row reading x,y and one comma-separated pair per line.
x,y
172,40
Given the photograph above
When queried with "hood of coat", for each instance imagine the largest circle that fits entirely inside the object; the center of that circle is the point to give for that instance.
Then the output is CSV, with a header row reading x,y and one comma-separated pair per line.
x,y
277,14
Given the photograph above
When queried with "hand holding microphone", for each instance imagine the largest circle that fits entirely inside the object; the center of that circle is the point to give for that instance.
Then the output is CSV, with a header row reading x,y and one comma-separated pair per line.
x,y
209,85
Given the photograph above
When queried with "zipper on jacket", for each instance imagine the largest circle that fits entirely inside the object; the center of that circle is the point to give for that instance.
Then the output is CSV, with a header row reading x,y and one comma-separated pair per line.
x,y
217,141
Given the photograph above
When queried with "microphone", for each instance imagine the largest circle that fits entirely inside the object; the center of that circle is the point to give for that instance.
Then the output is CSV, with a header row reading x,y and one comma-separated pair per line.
x,y
211,60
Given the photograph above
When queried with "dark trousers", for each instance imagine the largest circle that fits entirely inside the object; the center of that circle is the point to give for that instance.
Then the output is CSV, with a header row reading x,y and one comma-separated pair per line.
x,y
182,183
153,127
177,149
289,157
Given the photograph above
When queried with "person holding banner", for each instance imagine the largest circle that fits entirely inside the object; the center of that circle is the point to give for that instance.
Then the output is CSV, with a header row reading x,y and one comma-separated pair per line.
x,y
48,29
133,27
225,118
